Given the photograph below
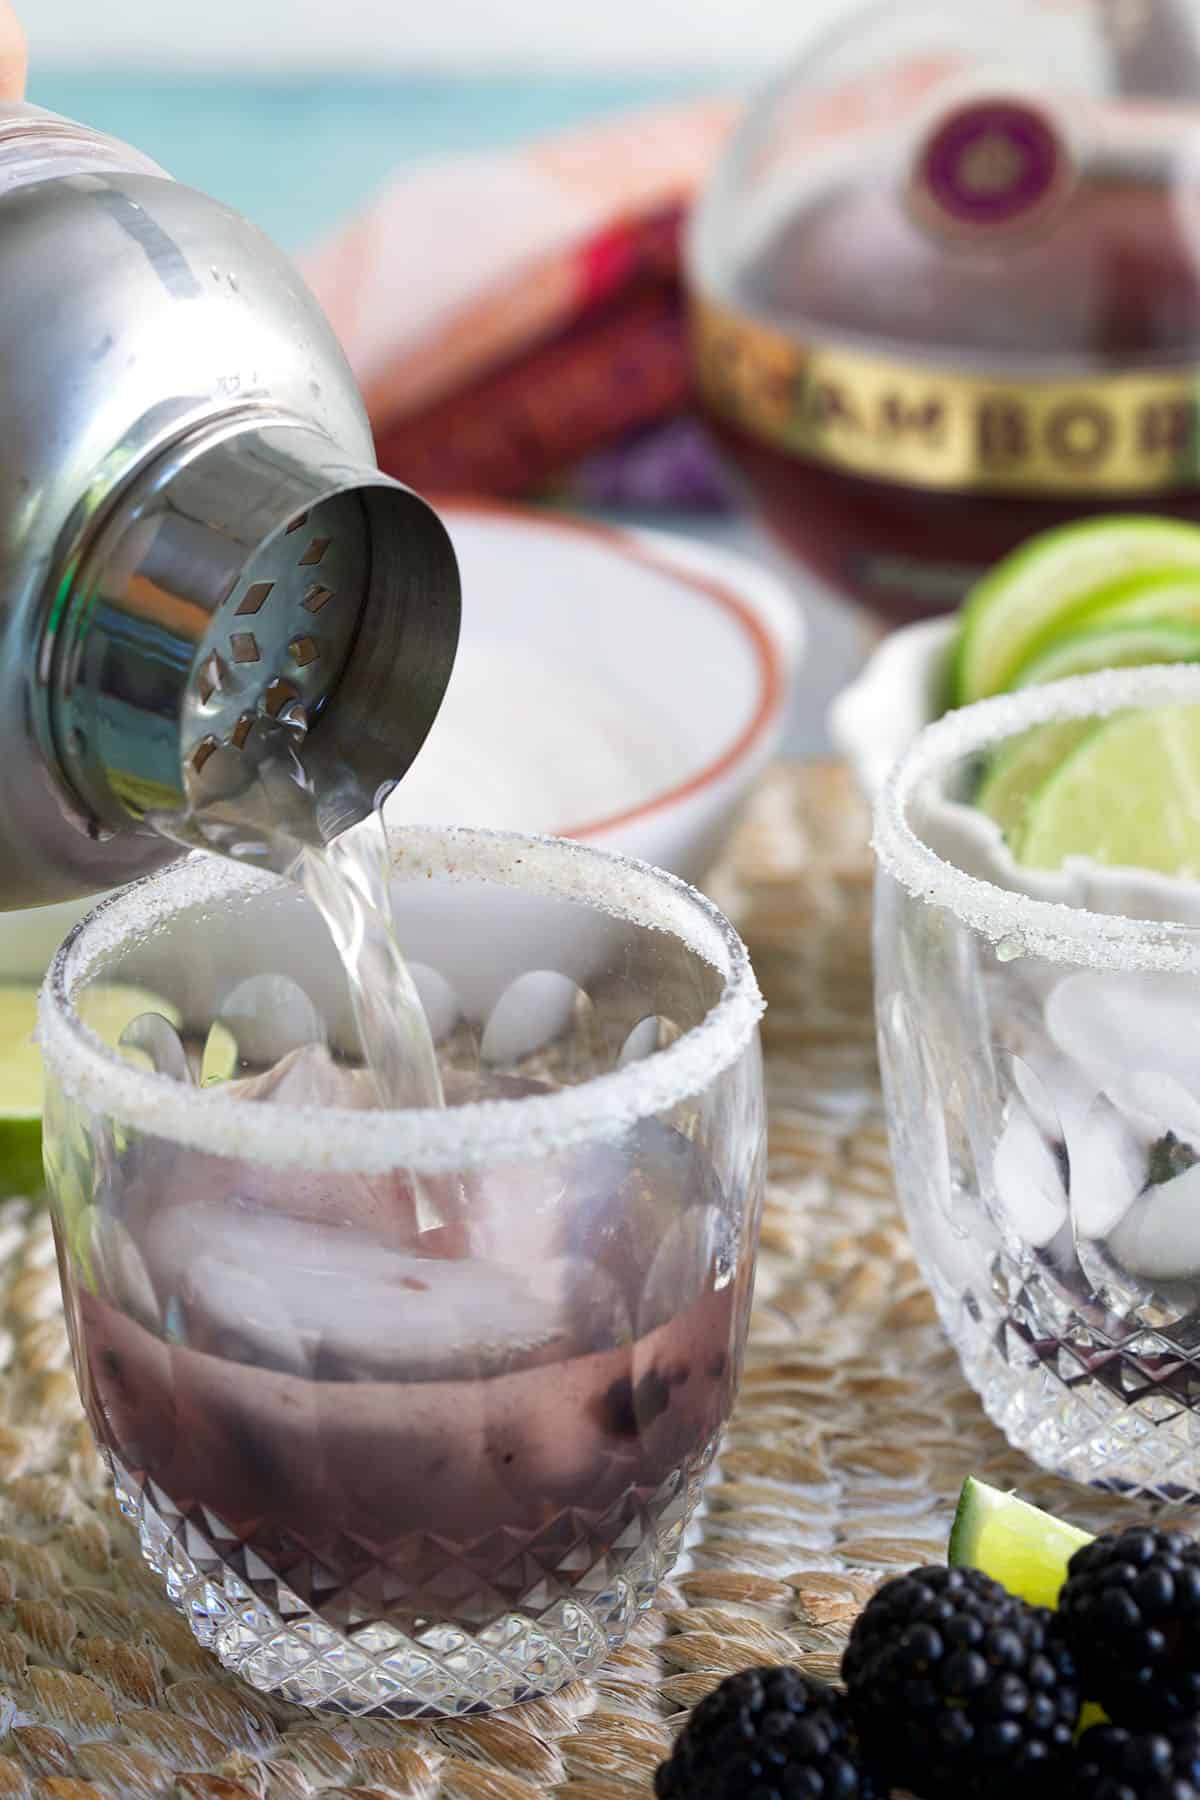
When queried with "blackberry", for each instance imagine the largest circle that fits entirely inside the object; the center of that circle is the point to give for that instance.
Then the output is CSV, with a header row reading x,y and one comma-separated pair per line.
x,y
1114,1764
1130,1610
960,1689
767,1734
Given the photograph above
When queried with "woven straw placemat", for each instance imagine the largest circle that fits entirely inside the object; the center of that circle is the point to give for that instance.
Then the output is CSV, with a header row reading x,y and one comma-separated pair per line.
x,y
852,1436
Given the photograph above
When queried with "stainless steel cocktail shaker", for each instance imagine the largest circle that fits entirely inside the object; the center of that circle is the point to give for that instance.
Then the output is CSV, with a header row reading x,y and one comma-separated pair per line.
x,y
193,529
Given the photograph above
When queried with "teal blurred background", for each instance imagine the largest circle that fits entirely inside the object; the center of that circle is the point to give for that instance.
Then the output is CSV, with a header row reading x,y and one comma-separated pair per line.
x,y
295,154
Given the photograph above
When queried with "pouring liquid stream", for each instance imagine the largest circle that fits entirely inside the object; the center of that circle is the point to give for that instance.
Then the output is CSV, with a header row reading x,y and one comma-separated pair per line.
x,y
259,806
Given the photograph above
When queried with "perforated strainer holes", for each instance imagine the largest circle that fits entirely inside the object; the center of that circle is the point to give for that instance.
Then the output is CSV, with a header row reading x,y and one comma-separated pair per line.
x,y
279,642
280,694
254,598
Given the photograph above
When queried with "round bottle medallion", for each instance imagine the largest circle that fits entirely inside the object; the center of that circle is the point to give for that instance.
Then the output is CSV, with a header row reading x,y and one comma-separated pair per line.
x,y
992,165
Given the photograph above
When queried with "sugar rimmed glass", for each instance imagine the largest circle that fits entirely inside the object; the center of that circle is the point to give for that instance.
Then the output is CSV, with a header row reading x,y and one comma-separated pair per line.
x,y
410,1410
1039,1033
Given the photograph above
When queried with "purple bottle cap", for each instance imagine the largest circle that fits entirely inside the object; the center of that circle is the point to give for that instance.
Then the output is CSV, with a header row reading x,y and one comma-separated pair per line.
x,y
991,165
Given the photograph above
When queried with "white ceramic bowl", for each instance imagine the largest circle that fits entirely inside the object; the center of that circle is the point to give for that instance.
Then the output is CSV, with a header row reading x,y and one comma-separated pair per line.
x,y
874,720
676,659
690,653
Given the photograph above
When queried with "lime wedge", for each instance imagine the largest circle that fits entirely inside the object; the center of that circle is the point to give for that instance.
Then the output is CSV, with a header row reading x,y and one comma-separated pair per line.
x,y
1027,600
1019,771
1117,643
1128,796
1024,1549
222,1059
107,1009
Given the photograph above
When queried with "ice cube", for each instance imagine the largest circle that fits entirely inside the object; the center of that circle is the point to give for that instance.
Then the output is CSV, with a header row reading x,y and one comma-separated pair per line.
x,y
503,1215
269,1016
1157,1104
516,1212
1054,1089
152,1039
308,1077
648,1036
1106,1157
1116,1025
238,1310
1028,1180
697,1256
120,1271
1159,1240
297,1295
1106,1165
530,1014
586,1301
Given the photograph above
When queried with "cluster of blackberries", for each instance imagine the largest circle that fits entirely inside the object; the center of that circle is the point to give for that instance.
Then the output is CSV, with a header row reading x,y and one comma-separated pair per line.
x,y
957,1690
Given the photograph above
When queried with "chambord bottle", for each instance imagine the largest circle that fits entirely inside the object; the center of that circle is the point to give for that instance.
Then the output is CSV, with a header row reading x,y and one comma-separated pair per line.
x,y
946,287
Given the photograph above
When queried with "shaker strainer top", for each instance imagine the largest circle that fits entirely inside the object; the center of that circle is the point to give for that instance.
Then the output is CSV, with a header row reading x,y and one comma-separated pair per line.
x,y
174,401
279,643
250,575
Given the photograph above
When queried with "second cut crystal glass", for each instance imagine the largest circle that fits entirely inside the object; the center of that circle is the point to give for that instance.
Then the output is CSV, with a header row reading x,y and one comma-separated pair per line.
x,y
410,1409
1038,1005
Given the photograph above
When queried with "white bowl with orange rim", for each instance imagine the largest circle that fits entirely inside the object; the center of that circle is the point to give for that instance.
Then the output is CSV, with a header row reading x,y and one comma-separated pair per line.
x,y
625,687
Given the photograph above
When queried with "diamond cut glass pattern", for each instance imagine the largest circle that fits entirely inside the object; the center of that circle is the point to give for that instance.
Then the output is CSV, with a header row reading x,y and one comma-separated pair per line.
x,y
382,1463
1038,1028
554,1613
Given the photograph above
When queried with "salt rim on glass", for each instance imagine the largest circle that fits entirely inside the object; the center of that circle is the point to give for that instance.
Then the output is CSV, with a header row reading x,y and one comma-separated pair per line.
x,y
1027,926
426,1141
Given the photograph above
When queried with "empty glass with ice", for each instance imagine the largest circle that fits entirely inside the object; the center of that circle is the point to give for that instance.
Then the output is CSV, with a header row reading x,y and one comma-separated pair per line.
x,y
410,1407
1038,1001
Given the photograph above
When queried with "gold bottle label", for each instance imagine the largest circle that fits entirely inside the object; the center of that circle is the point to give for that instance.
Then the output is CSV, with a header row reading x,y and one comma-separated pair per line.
x,y
921,425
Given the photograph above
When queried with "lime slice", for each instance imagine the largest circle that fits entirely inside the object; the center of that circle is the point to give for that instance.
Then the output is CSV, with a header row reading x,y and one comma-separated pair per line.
x,y
107,1009
1129,796
1024,1549
21,1157
1154,599
1019,771
1116,644
1026,601
221,1059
